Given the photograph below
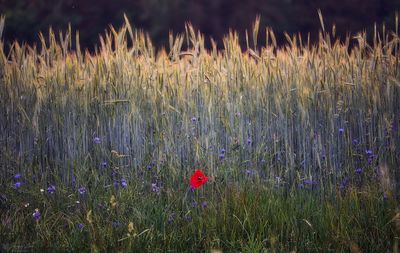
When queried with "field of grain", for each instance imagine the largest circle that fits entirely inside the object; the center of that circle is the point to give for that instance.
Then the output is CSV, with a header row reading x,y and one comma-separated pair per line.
x,y
300,142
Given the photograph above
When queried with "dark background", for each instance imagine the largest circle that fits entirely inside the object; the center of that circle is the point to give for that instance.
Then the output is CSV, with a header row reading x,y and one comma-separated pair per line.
x,y
25,18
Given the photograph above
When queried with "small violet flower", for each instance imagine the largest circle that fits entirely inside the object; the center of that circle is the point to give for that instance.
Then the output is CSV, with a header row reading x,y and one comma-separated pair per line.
x,y
82,190
344,184
17,185
249,172
171,218
36,214
80,226
359,171
155,188
249,141
124,184
51,189
103,164
96,140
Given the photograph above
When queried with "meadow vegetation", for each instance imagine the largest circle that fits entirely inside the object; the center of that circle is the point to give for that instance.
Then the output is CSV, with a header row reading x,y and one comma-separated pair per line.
x,y
301,143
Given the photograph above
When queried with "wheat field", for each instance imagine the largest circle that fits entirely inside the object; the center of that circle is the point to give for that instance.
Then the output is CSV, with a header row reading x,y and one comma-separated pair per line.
x,y
300,141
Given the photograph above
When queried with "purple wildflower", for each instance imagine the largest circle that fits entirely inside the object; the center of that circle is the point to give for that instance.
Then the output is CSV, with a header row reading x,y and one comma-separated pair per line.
x,y
188,218
17,185
51,189
96,140
344,184
309,182
249,141
103,164
82,190
204,204
250,172
124,184
194,203
155,188
17,176
171,218
222,151
194,120
80,226
369,153
221,156
36,214
341,130
359,171
355,141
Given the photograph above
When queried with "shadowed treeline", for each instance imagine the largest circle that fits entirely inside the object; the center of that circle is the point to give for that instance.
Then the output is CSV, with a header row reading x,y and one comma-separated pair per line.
x,y
213,17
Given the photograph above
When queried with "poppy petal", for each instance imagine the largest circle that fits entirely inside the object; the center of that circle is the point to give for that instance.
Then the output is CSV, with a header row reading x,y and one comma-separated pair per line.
x,y
198,179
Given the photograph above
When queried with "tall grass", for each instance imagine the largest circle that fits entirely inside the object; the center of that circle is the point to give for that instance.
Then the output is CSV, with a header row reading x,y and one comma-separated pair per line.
x,y
292,118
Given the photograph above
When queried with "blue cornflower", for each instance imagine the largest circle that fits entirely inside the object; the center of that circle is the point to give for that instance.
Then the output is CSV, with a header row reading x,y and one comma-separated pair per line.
x,y
82,190
103,164
155,188
51,189
249,172
248,141
17,185
124,184
344,184
171,218
96,140
309,182
80,226
36,214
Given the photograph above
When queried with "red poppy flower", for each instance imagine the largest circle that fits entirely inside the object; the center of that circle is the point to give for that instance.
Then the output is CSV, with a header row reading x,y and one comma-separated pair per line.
x,y
198,179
